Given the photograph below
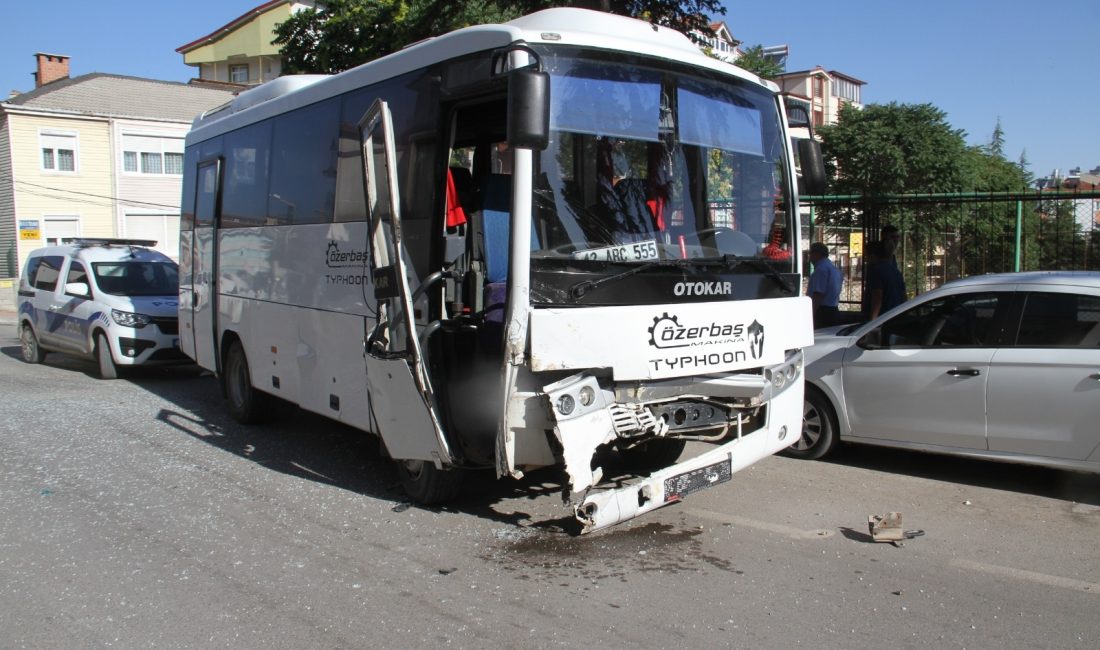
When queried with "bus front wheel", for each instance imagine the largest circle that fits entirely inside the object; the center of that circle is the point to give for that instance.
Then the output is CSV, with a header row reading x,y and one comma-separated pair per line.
x,y
426,484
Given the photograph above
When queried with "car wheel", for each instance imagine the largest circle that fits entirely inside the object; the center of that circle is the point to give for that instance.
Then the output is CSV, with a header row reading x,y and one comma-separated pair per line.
x,y
427,485
246,404
819,427
107,367
655,454
32,352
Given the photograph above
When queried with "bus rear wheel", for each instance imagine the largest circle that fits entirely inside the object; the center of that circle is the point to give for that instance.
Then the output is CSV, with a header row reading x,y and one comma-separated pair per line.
x,y
246,404
428,485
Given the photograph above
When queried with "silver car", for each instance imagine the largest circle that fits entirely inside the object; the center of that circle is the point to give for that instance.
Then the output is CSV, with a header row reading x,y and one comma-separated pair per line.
x,y
1004,367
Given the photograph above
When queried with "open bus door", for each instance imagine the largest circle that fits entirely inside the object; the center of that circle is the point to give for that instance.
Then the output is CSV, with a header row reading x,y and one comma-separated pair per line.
x,y
403,407
204,273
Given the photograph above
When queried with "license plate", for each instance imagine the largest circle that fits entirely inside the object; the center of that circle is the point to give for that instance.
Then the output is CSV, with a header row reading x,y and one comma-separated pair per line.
x,y
638,251
681,485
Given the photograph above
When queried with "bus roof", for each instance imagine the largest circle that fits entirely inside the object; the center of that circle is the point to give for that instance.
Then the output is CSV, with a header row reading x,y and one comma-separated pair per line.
x,y
568,26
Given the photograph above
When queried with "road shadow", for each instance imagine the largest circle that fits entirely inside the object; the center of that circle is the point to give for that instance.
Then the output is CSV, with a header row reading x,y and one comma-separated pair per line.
x,y
1082,487
311,447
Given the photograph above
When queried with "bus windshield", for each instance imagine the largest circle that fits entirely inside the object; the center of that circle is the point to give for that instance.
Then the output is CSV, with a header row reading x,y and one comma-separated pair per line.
x,y
647,163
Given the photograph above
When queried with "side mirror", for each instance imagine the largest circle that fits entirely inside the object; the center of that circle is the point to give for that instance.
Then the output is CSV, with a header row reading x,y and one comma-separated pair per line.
x,y
78,289
813,166
528,109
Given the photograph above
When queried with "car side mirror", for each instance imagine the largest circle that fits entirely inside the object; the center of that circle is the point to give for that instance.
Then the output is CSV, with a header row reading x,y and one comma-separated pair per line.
x,y
78,289
871,340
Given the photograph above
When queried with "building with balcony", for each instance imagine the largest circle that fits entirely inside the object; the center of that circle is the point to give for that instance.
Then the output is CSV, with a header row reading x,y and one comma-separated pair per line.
x,y
240,52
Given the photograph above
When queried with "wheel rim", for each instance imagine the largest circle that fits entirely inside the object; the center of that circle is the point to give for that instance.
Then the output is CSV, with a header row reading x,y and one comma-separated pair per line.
x,y
30,348
811,427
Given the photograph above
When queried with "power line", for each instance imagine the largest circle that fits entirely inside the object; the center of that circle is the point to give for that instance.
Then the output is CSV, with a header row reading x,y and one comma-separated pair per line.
x,y
114,199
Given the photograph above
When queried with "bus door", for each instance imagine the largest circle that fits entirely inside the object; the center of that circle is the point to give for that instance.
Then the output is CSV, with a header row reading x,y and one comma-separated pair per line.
x,y
204,268
402,404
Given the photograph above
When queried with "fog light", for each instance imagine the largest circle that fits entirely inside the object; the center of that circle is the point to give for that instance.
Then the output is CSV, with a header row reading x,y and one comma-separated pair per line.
x,y
566,404
587,396
779,378
782,433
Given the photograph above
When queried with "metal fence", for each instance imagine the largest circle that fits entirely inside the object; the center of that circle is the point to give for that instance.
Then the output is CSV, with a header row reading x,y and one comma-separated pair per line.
x,y
951,236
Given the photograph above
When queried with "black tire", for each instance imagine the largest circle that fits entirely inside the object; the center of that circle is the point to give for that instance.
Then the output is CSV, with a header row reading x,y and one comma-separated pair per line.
x,y
246,404
32,351
427,485
653,455
107,367
819,427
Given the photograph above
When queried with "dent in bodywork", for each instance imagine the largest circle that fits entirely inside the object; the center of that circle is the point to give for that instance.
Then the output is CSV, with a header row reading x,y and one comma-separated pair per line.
x,y
582,423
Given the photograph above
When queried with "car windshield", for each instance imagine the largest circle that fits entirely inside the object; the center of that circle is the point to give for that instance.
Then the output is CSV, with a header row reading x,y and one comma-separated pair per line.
x,y
137,278
648,163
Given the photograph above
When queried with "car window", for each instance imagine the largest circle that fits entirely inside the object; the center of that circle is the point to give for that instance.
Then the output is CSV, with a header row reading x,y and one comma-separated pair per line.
x,y
49,269
76,273
137,278
960,320
1060,320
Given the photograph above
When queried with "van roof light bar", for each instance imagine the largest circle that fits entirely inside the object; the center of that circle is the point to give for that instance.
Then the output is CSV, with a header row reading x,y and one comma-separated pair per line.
x,y
85,242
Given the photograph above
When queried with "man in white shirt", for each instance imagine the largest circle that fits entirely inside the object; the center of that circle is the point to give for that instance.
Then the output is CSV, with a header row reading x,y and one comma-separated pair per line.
x,y
825,284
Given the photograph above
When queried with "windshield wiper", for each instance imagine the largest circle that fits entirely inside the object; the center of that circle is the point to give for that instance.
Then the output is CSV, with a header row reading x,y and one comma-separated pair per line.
x,y
734,261
584,286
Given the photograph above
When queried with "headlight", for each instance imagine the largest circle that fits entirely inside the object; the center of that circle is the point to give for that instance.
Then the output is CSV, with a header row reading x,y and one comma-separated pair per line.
x,y
126,319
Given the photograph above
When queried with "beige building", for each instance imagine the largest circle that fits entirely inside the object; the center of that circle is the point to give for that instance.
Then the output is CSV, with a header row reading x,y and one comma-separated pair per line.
x,y
240,52
98,155
822,92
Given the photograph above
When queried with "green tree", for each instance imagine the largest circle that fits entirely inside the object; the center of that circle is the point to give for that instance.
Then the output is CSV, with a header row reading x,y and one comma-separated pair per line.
x,y
893,148
753,60
341,34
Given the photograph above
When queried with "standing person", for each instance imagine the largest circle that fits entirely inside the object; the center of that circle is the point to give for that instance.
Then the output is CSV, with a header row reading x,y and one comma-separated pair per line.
x,y
872,255
825,283
885,281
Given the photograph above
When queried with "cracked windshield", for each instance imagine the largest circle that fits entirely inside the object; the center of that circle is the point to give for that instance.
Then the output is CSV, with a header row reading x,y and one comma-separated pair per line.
x,y
647,165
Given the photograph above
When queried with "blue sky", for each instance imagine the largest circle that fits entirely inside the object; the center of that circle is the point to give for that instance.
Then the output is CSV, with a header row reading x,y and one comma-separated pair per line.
x,y
1033,65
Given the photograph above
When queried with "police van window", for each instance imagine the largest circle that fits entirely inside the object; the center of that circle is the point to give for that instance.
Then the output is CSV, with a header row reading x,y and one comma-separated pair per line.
x,y
76,273
47,273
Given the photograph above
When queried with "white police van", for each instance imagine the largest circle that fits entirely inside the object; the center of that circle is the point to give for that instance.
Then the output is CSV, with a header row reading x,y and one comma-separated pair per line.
x,y
112,300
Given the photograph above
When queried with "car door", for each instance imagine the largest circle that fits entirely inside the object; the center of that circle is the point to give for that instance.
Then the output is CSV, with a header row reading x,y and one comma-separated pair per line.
x,y
920,377
73,310
1044,389
402,402
47,323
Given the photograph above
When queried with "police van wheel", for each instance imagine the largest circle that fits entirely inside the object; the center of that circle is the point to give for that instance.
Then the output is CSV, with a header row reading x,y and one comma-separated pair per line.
x,y
246,404
427,485
655,454
32,352
107,367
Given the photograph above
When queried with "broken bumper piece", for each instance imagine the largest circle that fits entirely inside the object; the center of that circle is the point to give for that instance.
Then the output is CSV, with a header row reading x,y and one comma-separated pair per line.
x,y
671,484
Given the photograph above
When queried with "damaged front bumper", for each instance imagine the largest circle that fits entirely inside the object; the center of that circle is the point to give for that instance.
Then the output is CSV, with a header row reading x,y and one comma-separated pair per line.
x,y
589,417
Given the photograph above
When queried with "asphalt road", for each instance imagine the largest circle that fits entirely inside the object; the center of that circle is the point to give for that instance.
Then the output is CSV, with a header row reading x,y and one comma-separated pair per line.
x,y
135,513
